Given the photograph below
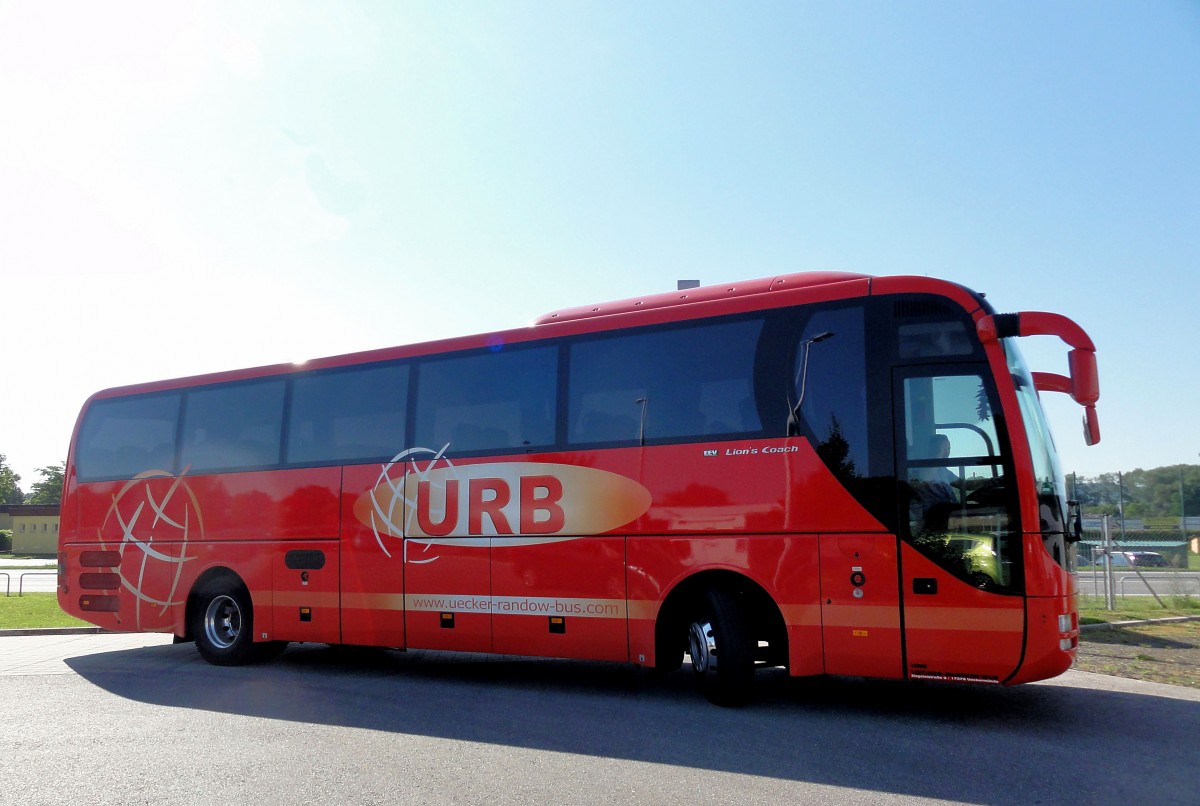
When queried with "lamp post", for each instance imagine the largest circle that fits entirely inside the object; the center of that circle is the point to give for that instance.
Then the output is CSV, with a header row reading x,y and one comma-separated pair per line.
x,y
1182,507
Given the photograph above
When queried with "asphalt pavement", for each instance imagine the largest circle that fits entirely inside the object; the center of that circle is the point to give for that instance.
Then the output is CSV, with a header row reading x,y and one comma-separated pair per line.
x,y
131,718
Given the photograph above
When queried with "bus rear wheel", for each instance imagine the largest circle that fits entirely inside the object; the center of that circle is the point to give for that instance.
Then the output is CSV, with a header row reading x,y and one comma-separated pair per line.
x,y
223,627
719,645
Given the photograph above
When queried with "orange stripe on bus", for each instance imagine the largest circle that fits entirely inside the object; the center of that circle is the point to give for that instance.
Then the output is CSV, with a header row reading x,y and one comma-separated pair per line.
x,y
862,616
373,601
992,619
801,615
296,599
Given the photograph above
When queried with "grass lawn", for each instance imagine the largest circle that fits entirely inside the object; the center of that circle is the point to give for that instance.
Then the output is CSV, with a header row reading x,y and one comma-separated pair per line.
x,y
34,610
1162,653
1091,608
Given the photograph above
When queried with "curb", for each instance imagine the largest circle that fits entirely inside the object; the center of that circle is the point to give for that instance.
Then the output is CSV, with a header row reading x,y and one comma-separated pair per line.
x,y
1116,625
56,631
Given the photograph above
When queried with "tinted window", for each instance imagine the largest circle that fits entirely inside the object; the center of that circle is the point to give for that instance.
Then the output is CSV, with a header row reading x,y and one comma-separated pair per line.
x,y
488,401
830,372
232,427
934,340
348,415
685,382
121,438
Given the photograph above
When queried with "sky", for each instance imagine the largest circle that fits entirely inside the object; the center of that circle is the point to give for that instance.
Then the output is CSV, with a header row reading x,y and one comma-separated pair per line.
x,y
187,188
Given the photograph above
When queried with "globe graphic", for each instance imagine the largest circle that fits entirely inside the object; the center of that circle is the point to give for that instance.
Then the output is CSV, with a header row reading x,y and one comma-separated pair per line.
x,y
150,523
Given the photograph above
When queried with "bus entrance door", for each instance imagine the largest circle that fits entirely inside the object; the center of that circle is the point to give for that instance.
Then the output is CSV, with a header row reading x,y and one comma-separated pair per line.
x,y
963,613
860,605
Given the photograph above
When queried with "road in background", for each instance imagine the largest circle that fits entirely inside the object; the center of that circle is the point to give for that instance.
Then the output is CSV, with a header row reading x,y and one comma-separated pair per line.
x,y
1165,583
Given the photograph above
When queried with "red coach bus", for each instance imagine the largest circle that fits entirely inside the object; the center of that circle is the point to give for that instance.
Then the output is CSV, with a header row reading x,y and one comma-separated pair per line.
x,y
830,472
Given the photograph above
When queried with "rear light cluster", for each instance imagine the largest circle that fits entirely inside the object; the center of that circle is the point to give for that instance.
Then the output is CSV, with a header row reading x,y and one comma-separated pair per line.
x,y
100,580
100,559
101,604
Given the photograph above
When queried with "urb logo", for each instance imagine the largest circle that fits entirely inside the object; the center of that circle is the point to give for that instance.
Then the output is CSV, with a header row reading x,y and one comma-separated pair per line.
x,y
433,502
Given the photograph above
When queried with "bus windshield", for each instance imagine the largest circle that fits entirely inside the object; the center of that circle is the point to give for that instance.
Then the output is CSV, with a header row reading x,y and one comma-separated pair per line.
x,y
1047,474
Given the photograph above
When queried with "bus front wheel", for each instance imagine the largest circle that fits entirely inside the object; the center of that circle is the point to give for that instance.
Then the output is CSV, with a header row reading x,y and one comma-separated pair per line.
x,y
719,645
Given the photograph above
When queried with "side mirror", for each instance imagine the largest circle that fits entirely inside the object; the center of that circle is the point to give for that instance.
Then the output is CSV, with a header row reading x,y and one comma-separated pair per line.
x,y
1091,426
1075,517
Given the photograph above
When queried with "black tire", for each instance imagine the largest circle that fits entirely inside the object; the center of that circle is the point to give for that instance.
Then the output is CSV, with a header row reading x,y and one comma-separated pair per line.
x,y
223,625
720,648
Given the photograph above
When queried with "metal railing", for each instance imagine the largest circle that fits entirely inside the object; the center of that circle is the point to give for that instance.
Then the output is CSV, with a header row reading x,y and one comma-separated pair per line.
x,y
1159,577
21,580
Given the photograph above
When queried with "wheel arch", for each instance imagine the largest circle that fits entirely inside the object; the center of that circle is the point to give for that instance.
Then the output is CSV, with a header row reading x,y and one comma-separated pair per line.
x,y
763,615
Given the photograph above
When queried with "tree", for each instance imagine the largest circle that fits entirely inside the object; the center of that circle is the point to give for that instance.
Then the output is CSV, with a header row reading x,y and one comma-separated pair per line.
x,y
10,490
1153,493
49,489
1099,495
835,451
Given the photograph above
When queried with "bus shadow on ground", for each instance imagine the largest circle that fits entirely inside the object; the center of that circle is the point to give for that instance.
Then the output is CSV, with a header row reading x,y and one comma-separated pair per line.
x,y
1001,745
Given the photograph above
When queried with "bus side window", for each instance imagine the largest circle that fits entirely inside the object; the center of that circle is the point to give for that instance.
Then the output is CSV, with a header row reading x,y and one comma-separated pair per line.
x,y
684,382
348,415
488,401
830,372
126,436
233,427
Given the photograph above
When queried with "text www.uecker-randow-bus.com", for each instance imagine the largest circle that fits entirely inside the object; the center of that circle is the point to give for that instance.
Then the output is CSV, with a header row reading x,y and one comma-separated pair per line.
x,y
518,605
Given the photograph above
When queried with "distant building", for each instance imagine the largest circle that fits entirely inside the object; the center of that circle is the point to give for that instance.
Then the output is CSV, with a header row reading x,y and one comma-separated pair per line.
x,y
34,527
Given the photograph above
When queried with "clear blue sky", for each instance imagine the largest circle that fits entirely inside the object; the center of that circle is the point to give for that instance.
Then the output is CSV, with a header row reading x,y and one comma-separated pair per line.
x,y
196,187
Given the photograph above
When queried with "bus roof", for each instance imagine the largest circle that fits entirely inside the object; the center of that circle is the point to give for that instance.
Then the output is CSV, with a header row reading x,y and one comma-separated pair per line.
x,y
709,293
651,309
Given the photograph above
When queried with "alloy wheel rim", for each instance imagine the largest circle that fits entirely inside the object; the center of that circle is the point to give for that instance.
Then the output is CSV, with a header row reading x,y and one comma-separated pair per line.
x,y
223,621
